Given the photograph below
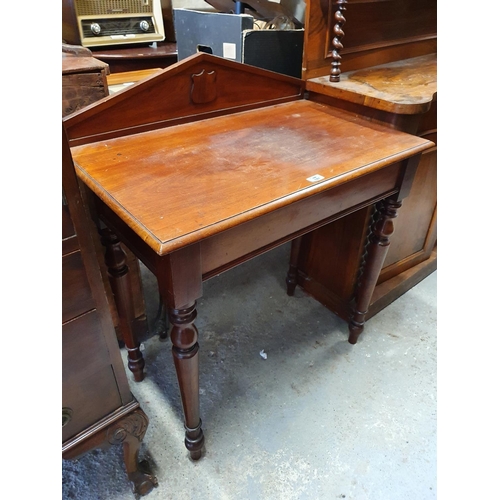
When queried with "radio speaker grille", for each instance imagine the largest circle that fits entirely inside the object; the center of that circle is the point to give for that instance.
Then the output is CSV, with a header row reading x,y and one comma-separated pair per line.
x,y
104,7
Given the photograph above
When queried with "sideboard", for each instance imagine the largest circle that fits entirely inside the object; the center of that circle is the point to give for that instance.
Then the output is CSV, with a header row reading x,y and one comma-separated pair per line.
x,y
375,59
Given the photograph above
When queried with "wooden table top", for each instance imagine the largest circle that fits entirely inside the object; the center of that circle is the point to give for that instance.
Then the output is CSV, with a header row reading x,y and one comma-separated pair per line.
x,y
177,185
407,86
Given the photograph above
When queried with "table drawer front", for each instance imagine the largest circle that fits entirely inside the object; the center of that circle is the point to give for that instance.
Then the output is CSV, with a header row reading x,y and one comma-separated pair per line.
x,y
76,293
89,387
251,237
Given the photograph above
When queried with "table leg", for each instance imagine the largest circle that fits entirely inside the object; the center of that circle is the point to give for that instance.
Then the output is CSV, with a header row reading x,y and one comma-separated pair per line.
x,y
184,336
291,277
378,246
116,262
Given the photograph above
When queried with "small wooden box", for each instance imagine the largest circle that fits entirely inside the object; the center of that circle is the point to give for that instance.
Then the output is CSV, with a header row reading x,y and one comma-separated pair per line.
x,y
83,79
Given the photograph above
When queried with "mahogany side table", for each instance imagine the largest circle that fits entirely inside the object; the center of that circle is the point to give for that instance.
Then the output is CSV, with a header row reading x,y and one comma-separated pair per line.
x,y
234,163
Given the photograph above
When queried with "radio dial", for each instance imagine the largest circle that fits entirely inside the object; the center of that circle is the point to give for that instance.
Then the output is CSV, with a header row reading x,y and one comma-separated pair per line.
x,y
144,25
95,28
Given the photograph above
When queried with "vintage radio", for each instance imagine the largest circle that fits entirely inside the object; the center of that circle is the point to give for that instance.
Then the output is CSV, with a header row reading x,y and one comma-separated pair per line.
x,y
93,23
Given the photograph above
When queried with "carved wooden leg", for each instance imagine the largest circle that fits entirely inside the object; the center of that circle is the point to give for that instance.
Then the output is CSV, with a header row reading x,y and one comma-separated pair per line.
x,y
291,277
184,336
115,259
377,248
129,431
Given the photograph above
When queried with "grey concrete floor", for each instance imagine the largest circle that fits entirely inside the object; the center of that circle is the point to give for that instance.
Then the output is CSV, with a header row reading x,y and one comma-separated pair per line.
x,y
317,419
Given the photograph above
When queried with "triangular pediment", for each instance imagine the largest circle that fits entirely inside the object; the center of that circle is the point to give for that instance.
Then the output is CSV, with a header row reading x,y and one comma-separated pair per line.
x,y
200,86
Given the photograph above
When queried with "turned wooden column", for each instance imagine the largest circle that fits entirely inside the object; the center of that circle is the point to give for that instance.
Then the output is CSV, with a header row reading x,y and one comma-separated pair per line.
x,y
180,284
338,34
376,251
184,336
291,277
116,262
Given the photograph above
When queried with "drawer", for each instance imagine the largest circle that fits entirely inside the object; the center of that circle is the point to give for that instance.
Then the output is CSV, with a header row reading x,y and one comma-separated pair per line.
x,y
89,388
92,398
76,293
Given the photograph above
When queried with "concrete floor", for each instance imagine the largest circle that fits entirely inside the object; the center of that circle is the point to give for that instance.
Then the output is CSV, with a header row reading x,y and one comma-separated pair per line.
x,y
317,419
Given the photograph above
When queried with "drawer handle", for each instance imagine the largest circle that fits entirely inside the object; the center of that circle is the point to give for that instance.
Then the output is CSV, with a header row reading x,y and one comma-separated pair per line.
x,y
67,414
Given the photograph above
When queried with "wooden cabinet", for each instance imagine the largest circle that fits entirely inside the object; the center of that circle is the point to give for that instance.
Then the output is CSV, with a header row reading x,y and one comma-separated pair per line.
x,y
98,408
377,60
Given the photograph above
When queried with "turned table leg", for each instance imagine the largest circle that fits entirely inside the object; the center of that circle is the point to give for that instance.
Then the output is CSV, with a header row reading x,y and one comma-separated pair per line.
x,y
291,277
129,431
184,336
115,259
378,246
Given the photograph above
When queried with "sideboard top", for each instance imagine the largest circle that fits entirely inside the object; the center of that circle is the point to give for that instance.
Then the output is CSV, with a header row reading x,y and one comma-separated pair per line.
x,y
407,86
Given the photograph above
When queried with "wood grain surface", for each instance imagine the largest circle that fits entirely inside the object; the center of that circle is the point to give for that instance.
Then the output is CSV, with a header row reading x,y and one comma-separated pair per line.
x,y
405,87
178,185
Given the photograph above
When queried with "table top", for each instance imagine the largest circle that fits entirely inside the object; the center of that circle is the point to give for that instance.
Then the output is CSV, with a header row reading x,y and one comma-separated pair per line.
x,y
407,86
177,185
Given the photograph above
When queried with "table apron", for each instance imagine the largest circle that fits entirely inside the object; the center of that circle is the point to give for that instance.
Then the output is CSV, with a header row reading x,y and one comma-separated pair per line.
x,y
245,241
234,246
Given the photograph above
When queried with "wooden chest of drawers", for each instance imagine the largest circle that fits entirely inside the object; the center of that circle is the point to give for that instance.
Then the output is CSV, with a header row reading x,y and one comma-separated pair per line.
x,y
98,408
89,388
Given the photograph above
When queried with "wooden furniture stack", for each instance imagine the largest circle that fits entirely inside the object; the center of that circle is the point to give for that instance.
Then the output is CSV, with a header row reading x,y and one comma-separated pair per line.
x,y
98,408
375,59
85,81
226,162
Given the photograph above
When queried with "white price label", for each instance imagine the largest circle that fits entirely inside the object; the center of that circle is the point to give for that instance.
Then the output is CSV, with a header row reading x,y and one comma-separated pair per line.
x,y
315,178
